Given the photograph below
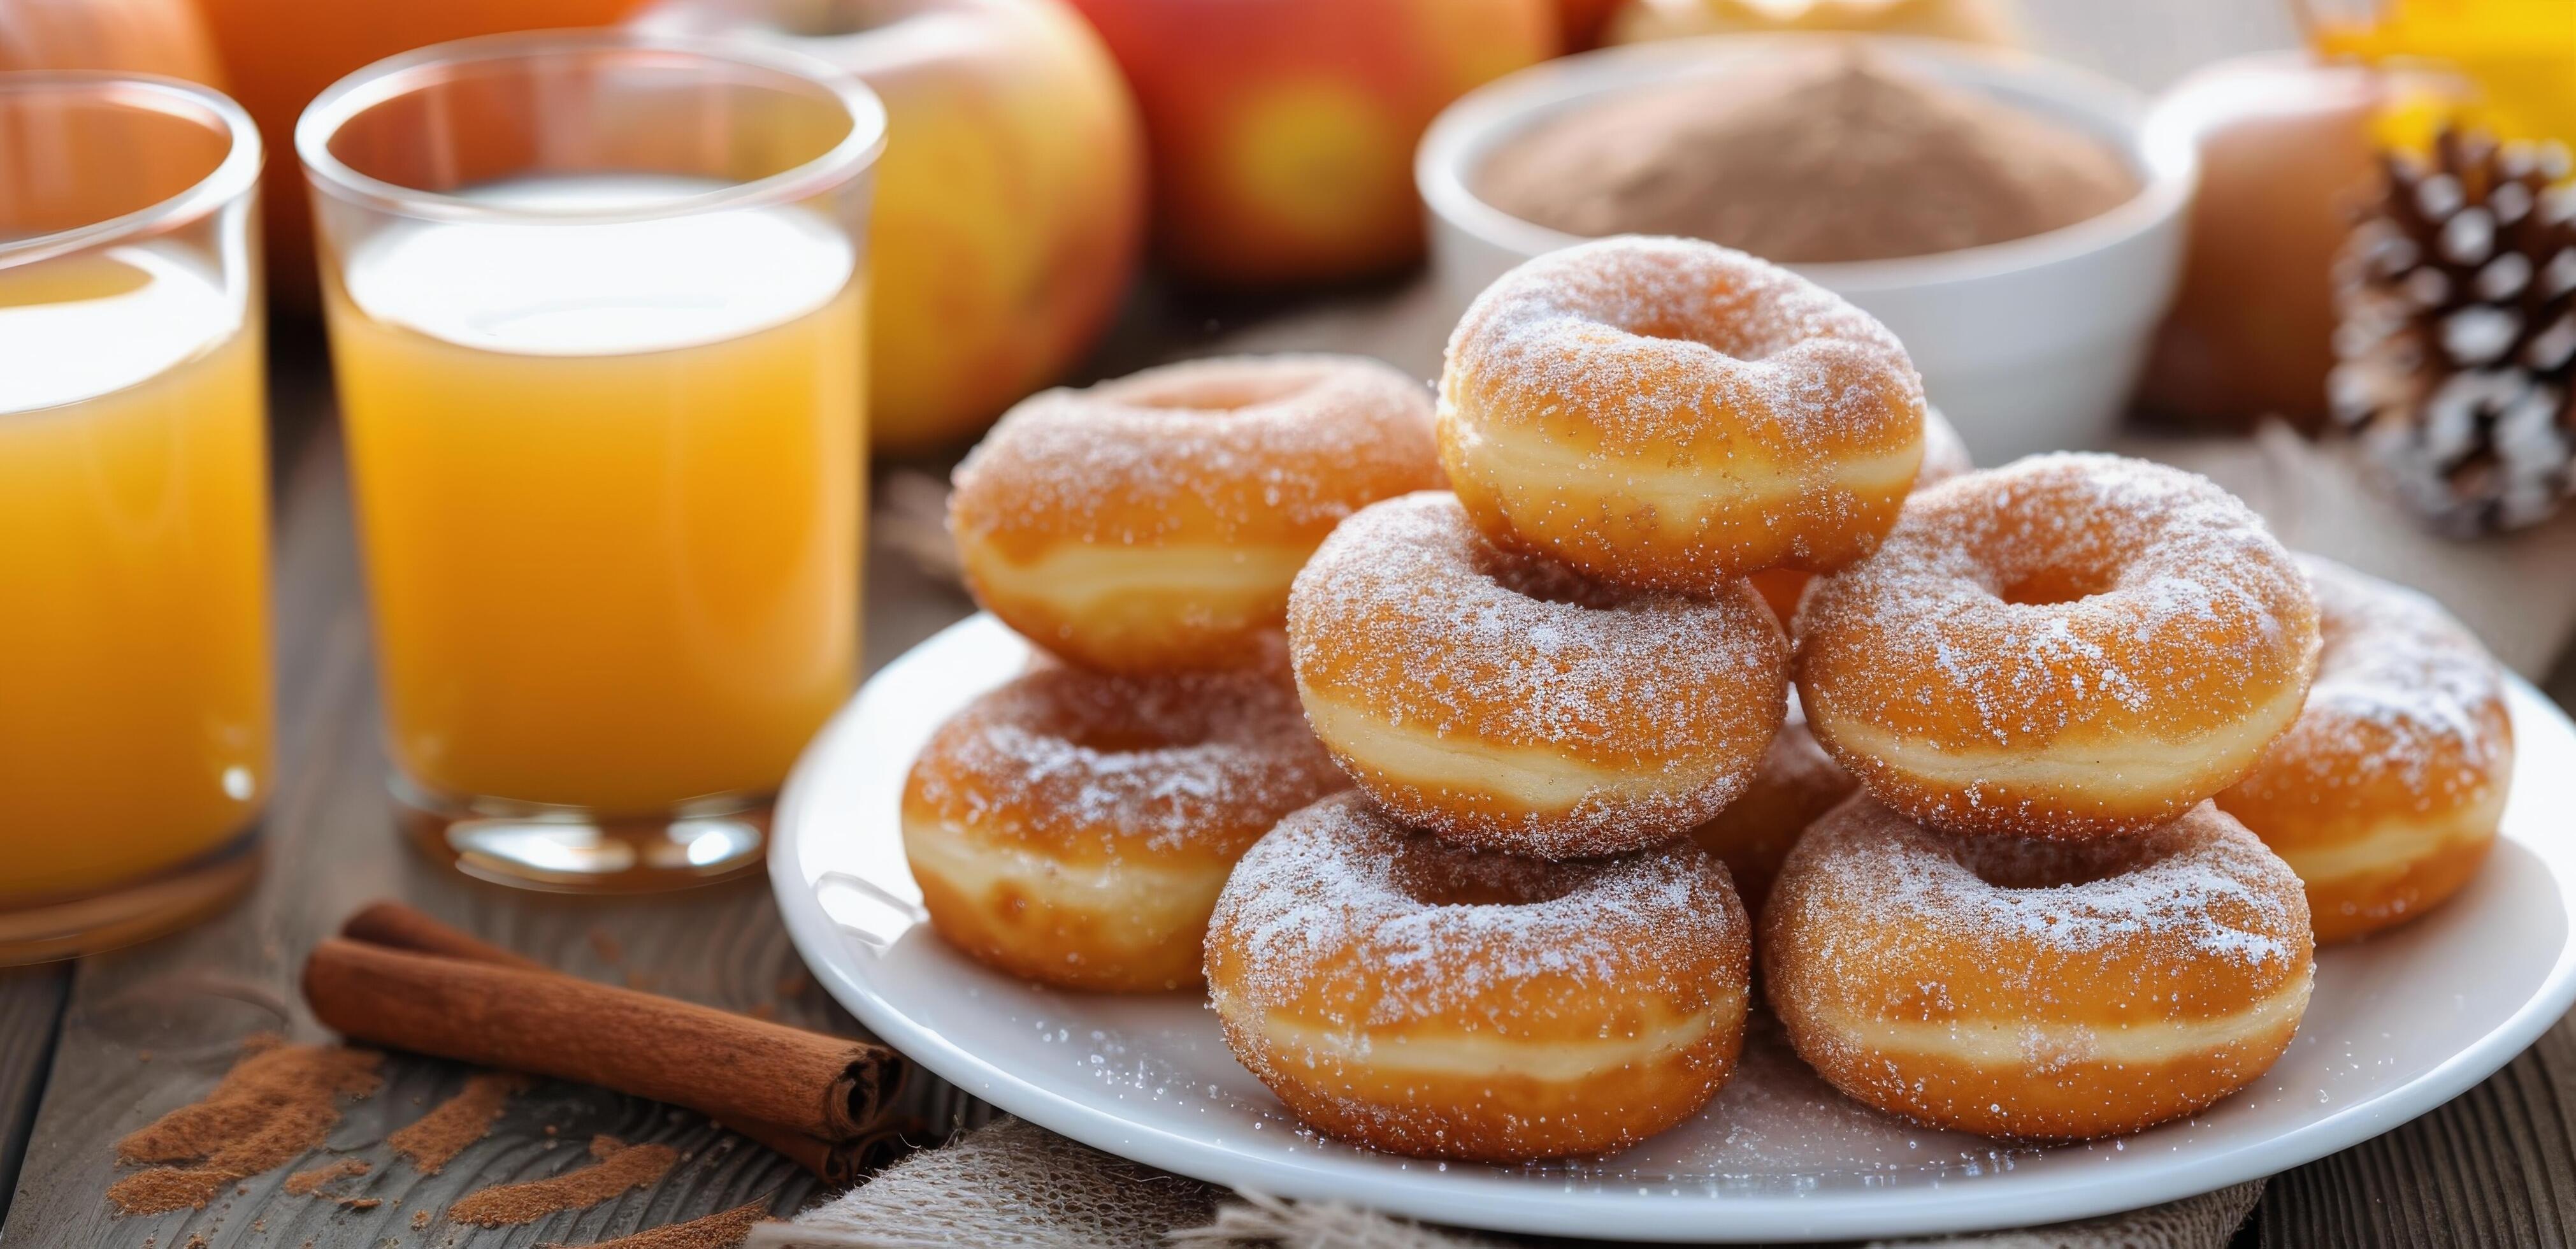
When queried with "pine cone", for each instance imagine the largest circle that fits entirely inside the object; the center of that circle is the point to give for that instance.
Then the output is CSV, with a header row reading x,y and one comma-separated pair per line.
x,y
2457,346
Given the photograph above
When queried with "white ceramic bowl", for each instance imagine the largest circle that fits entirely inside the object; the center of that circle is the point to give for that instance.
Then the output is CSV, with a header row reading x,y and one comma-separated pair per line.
x,y
2029,345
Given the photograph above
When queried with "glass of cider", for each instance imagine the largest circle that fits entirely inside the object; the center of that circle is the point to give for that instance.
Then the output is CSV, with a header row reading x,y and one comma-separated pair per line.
x,y
134,651
595,308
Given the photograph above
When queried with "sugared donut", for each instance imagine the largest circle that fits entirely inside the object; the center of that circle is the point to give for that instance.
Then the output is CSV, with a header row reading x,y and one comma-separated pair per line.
x,y
2385,795
1945,456
2068,646
1670,414
1507,703
1423,997
1074,827
1154,522
2050,990
1796,784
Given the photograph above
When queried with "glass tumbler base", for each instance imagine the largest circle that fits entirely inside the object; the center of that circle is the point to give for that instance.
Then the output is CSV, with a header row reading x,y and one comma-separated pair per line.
x,y
562,849
45,929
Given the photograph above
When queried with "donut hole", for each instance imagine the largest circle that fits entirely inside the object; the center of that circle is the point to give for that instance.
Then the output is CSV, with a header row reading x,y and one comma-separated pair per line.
x,y
1122,740
1724,318
2029,863
1116,717
1545,580
2044,587
1217,394
1434,873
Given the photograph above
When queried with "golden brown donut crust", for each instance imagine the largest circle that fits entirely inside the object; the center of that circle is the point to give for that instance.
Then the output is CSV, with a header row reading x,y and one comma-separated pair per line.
x,y
1504,702
2025,988
1670,414
1155,521
1945,455
1796,785
1074,827
2386,794
2070,646
1424,998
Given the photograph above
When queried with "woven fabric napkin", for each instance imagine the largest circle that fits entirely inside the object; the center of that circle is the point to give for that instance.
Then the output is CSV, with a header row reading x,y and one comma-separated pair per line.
x,y
1014,1185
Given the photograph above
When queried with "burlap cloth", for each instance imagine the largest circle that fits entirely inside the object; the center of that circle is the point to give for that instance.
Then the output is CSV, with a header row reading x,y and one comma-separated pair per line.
x,y
1014,1185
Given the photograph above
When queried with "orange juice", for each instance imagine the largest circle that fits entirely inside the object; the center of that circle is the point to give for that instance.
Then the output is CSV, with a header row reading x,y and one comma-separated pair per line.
x,y
134,704
609,483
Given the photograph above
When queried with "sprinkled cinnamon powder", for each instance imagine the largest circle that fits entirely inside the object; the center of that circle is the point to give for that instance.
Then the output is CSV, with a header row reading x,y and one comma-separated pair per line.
x,y
276,1104
434,1140
307,1183
723,1230
621,1167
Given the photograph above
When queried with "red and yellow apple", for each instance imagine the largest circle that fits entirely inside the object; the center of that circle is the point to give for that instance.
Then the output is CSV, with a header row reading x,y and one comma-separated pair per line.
x,y
1580,23
1282,131
140,36
1009,202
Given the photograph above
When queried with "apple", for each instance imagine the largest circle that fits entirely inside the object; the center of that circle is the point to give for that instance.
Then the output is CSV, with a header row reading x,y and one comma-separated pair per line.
x,y
1282,131
1009,202
279,54
139,36
1580,23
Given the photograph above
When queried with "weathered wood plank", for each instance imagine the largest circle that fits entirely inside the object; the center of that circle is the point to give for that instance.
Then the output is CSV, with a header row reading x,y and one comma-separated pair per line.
x,y
31,1008
2496,1167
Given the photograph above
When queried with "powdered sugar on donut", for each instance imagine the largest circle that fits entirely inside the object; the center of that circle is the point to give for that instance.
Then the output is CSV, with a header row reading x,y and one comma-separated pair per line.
x,y
1285,441
1334,900
1407,614
2182,604
2407,715
2201,888
2219,897
1121,763
1645,340
2401,687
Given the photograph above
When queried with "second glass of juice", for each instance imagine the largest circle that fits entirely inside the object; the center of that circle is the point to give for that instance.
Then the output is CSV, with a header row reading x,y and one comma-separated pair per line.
x,y
595,310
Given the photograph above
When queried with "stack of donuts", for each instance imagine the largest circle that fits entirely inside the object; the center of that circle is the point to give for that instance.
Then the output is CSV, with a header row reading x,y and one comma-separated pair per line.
x,y
2029,791
1074,826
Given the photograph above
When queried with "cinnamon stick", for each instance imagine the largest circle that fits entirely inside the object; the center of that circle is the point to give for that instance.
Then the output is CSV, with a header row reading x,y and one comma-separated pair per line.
x,y
729,1067
838,1164
393,925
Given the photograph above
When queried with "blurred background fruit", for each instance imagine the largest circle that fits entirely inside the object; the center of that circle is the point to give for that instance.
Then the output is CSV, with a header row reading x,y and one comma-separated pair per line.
x,y
143,36
1970,21
279,54
1579,23
1009,202
1282,131
2286,155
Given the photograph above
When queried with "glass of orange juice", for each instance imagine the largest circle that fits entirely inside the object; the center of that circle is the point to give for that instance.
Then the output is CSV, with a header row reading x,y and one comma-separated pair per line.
x,y
134,677
595,309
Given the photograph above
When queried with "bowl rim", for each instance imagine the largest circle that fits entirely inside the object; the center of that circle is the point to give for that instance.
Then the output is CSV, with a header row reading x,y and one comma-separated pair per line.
x,y
2163,151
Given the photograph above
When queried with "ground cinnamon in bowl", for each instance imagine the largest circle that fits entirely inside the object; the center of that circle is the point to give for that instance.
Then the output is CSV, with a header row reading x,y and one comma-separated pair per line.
x,y
1817,157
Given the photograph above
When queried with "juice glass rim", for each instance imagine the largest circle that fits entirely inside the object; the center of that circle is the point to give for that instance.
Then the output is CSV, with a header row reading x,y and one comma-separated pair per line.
x,y
233,177
400,75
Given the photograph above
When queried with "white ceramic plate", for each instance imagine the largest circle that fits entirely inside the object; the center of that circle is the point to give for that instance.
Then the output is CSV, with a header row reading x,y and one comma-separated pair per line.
x,y
2399,1025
